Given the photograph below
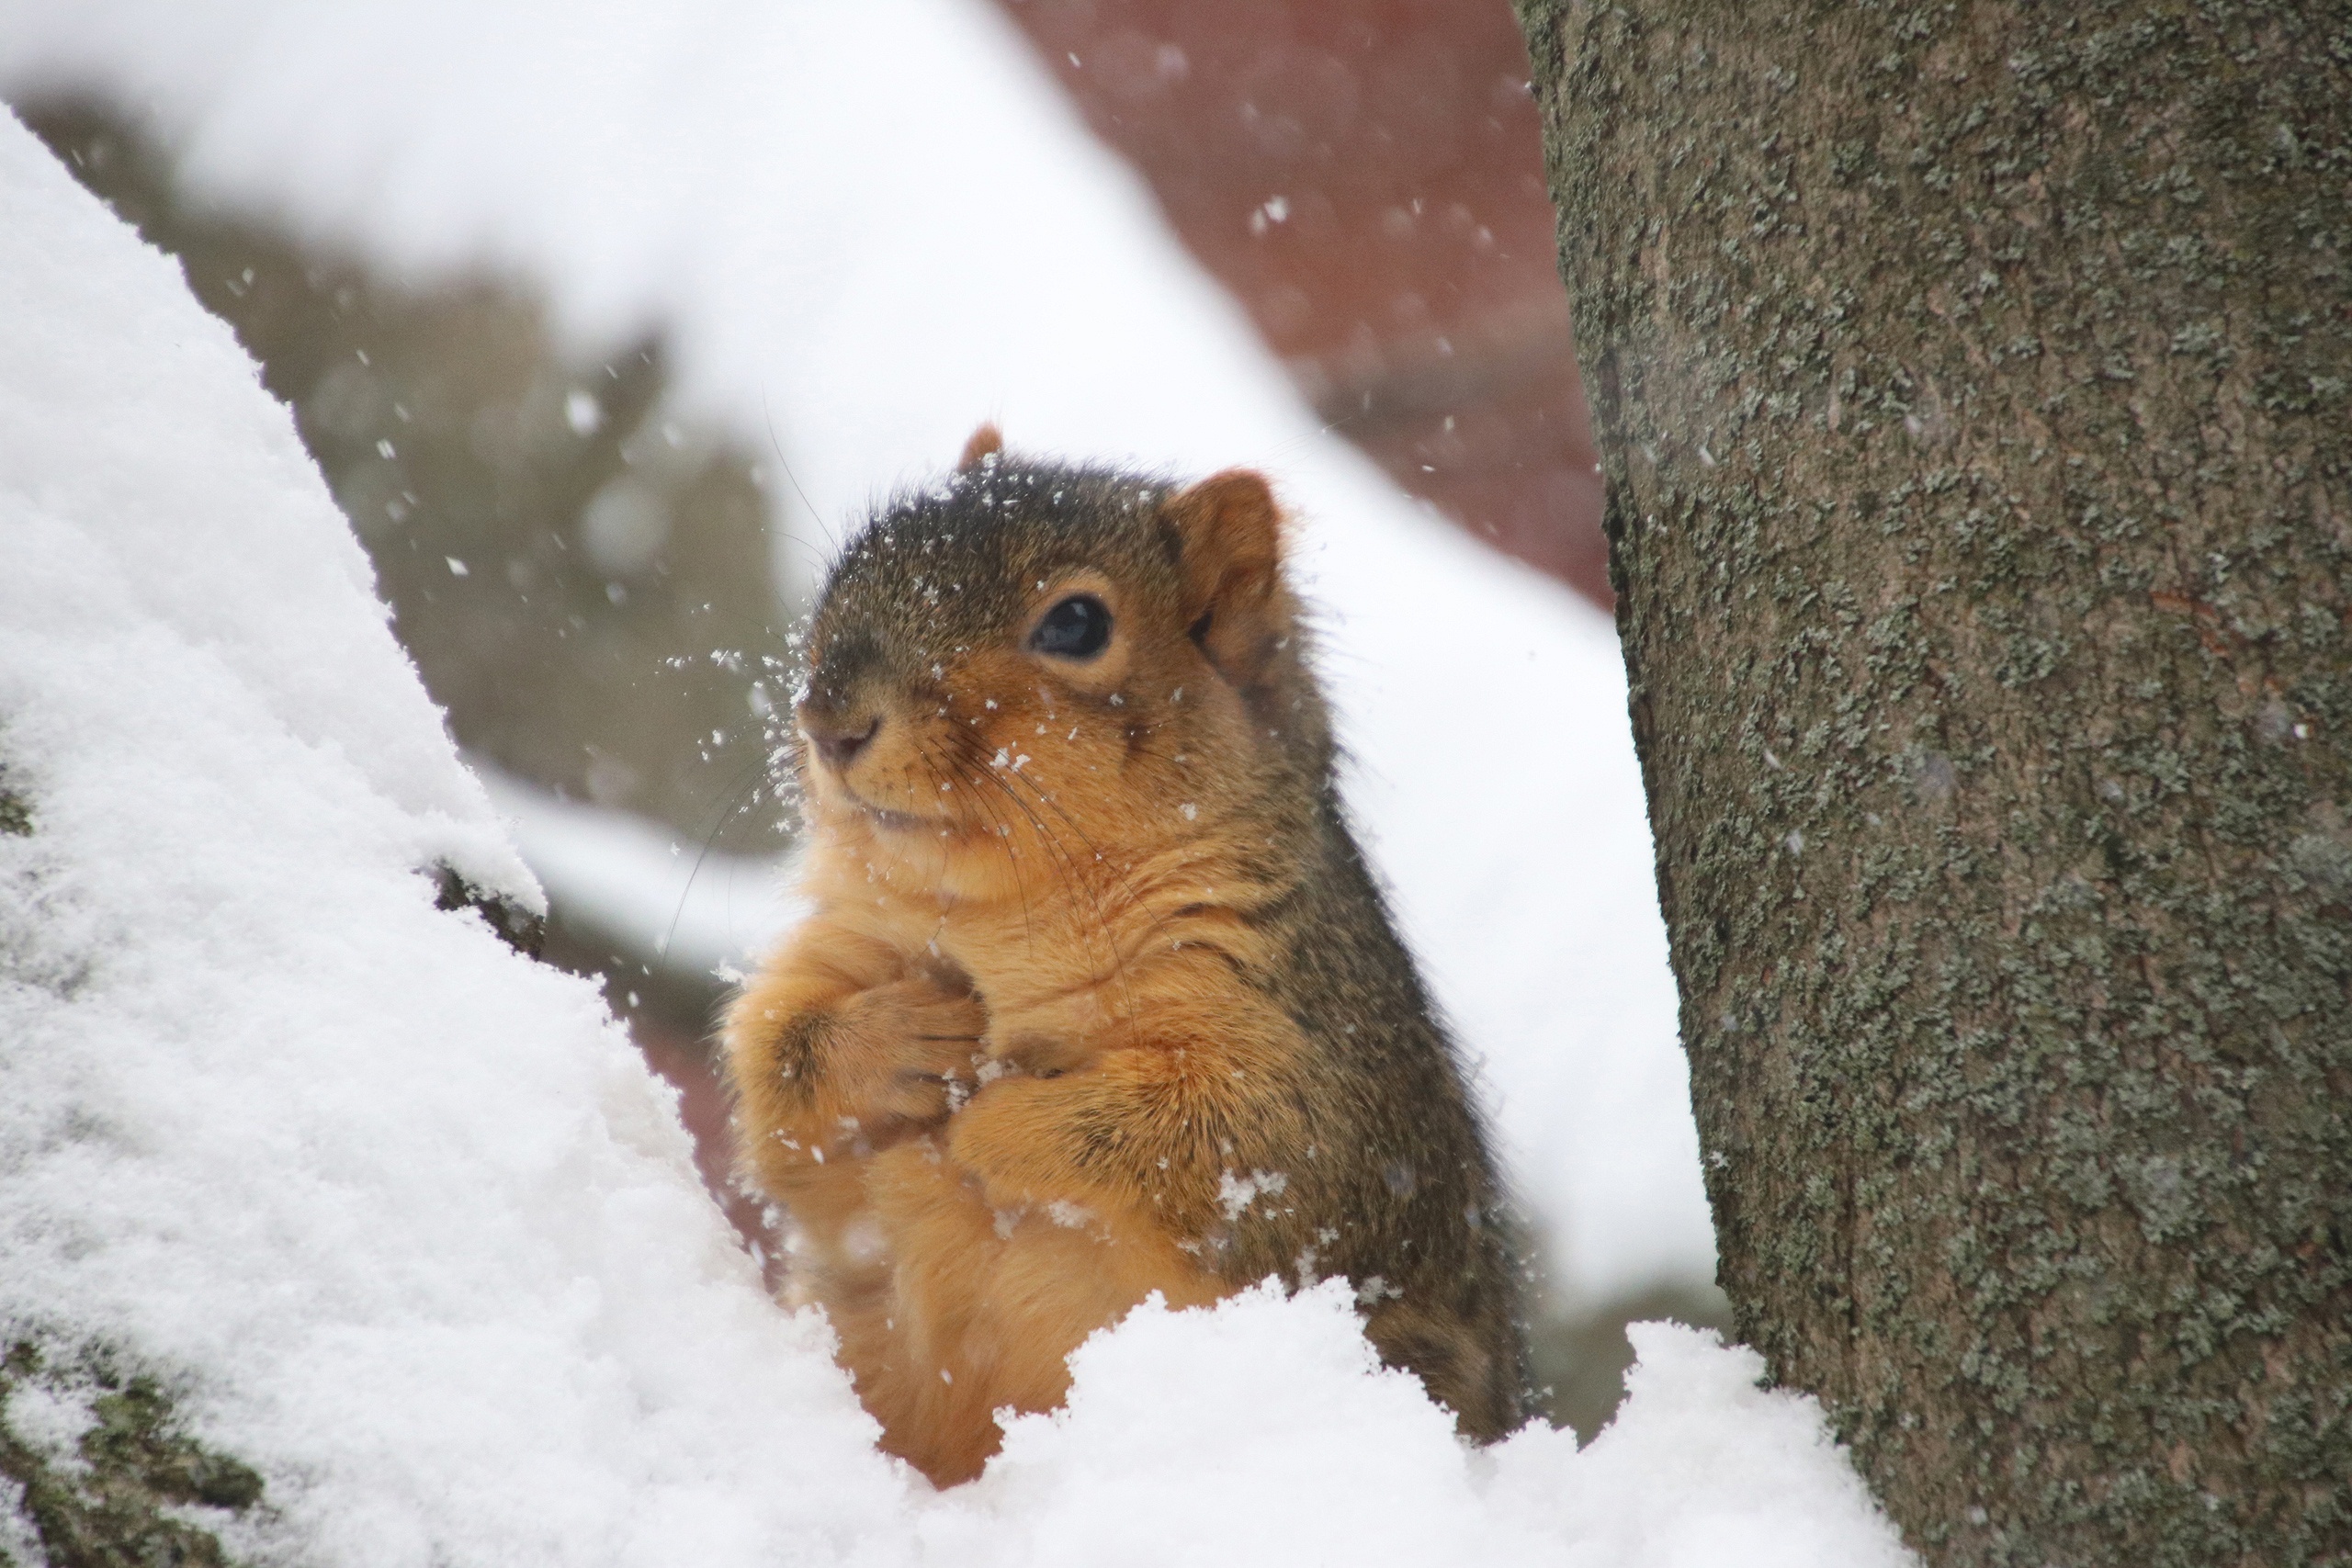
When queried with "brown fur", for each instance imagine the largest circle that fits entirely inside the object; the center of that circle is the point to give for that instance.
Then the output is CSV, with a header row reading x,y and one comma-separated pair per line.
x,y
984,443
1098,998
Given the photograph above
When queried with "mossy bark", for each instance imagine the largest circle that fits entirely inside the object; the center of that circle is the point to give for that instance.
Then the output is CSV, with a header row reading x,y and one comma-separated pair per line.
x,y
129,1502
1972,381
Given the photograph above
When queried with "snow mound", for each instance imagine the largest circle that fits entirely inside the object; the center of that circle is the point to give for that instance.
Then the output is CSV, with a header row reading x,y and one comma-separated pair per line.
x,y
403,1210
1294,1446
1701,1468
401,1217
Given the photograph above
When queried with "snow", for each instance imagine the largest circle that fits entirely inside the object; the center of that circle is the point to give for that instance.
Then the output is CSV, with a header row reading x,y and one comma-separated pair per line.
x,y
405,1210
879,224
1346,1462
403,1219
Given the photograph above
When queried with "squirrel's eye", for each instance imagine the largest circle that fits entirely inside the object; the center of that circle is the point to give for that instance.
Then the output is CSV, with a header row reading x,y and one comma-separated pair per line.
x,y
1077,628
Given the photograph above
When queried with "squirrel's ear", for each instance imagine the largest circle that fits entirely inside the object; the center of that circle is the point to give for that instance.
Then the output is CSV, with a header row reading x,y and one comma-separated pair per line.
x,y
1230,532
985,443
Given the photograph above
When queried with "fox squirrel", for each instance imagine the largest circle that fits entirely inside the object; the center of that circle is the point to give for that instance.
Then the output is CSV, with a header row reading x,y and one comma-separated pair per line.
x,y
1097,998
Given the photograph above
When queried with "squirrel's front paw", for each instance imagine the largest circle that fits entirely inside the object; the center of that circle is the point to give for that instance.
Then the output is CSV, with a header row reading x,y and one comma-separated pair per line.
x,y
910,1057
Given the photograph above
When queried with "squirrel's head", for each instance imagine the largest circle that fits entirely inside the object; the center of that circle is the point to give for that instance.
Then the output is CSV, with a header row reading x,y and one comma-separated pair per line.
x,y
1094,658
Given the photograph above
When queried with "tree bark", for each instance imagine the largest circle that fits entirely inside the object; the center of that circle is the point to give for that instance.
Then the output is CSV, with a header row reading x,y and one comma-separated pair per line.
x,y
1971,380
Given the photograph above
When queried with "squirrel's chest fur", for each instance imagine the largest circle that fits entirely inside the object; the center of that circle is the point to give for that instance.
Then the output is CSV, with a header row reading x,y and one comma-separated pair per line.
x,y
1062,955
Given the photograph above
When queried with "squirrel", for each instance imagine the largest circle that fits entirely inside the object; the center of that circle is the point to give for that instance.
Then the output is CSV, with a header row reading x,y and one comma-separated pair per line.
x,y
1098,997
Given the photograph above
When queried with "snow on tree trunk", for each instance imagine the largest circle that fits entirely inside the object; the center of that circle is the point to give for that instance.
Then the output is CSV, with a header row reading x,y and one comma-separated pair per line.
x,y
1974,382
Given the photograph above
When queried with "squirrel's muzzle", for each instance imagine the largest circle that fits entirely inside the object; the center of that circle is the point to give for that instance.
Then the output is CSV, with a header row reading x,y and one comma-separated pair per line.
x,y
837,736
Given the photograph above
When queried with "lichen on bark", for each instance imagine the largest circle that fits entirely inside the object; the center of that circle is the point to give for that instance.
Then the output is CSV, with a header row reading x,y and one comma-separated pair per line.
x,y
133,1490
16,808
129,1502
1974,383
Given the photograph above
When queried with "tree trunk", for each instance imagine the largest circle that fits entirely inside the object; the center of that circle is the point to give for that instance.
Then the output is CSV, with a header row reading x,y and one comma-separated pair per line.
x,y
1973,383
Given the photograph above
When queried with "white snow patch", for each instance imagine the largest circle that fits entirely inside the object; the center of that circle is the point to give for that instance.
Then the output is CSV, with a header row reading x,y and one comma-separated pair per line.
x,y
51,1420
18,1541
1236,1192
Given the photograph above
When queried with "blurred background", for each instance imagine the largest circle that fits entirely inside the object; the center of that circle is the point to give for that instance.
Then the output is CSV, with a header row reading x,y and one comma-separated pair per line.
x,y
595,571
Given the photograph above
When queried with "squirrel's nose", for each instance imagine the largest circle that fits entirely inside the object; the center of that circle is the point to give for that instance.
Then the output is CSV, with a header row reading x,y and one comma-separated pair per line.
x,y
838,739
